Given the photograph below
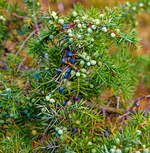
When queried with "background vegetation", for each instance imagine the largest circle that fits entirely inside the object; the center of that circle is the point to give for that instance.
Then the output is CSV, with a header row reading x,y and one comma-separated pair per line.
x,y
112,113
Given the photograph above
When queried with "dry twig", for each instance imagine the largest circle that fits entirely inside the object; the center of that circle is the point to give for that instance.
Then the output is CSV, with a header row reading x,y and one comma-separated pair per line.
x,y
106,108
21,63
22,45
118,102
135,104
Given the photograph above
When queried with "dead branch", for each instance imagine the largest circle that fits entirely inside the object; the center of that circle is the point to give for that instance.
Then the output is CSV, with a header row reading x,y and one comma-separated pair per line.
x,y
106,108
21,63
118,102
35,18
22,45
18,16
135,104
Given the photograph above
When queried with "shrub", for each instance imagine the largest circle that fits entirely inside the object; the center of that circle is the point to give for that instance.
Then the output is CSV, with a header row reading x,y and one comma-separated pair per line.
x,y
78,58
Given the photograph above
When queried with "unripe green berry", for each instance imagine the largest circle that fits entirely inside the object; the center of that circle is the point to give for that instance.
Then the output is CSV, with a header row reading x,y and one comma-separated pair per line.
x,y
84,17
82,62
138,132
11,115
99,63
96,54
61,21
34,132
8,89
76,21
51,37
56,129
117,140
92,39
88,63
84,75
113,35
73,73
48,98
93,150
91,86
118,151
68,83
74,13
104,29
2,18
146,151
53,13
101,15
134,8
94,27
97,22
79,36
89,143
93,62
128,4
52,100
144,146
89,30
127,150
60,132
78,122
87,58
70,34
83,70
38,4
69,103
78,74
70,116
83,25
71,39
79,25
112,150
84,54
118,30
69,31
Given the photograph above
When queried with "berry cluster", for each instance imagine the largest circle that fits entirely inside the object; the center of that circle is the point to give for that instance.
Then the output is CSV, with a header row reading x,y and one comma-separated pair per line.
x,y
73,66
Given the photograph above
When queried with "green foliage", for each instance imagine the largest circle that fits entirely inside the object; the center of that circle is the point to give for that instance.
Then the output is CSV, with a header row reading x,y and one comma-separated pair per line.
x,y
3,27
15,106
100,45
91,43
133,138
16,141
77,58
